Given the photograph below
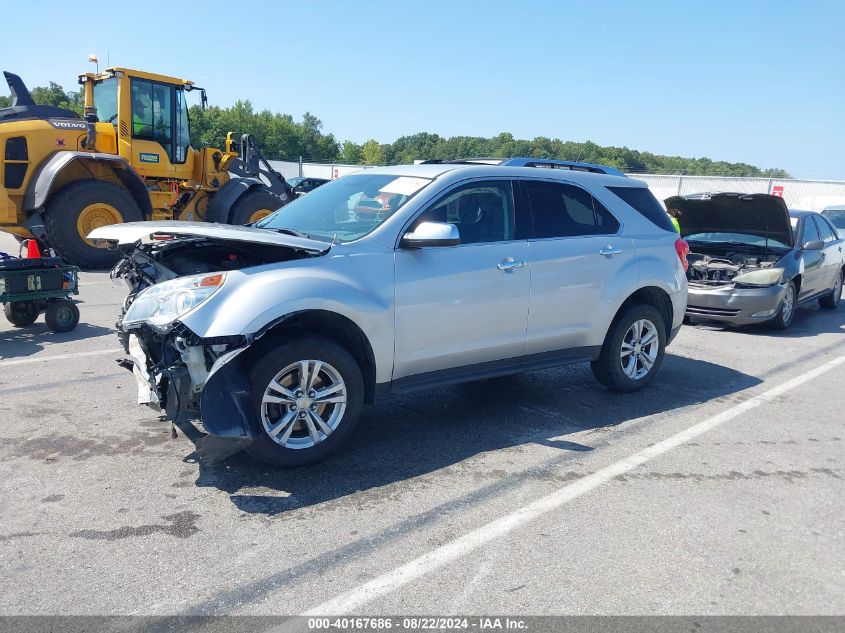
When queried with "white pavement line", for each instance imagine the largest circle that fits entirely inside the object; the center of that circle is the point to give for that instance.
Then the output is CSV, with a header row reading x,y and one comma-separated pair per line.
x,y
44,359
465,544
96,283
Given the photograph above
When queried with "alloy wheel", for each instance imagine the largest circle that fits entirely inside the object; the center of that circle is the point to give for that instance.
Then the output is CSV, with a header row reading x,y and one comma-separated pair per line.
x,y
640,347
303,404
788,303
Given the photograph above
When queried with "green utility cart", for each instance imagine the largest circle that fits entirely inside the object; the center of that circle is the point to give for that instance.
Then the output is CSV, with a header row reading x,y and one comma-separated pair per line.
x,y
29,287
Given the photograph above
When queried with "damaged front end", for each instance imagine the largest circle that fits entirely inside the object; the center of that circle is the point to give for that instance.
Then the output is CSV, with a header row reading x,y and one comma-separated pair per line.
x,y
713,268
189,378
180,373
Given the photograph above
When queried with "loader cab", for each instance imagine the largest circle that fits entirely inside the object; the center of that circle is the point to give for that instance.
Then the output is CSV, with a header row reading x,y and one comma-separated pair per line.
x,y
149,114
160,114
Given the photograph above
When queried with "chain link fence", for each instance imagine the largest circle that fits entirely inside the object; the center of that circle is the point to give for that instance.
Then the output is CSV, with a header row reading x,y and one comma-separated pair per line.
x,y
810,195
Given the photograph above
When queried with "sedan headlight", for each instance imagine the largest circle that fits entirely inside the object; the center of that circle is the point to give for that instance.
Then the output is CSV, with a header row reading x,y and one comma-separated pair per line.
x,y
163,303
762,277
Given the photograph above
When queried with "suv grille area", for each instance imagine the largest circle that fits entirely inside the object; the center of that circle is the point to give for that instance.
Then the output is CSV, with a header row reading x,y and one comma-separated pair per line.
x,y
701,311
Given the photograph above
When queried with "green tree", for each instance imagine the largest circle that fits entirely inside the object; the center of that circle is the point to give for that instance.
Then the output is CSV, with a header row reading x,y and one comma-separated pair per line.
x,y
351,153
373,153
281,137
53,95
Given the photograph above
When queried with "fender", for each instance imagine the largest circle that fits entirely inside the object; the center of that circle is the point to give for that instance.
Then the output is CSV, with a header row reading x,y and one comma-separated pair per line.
x,y
42,182
221,203
327,284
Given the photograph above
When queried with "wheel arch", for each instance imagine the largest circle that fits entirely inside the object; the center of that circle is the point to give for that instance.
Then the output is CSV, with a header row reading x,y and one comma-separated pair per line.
x,y
331,325
653,296
48,179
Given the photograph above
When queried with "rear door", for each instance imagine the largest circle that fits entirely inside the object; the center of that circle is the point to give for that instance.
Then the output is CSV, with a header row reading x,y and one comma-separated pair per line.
x,y
831,255
575,251
458,306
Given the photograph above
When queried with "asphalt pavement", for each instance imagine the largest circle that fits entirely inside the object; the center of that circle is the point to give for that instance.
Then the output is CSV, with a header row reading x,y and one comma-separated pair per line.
x,y
717,490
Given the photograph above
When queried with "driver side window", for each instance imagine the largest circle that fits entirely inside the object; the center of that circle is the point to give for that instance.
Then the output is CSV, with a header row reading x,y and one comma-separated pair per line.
x,y
811,233
482,211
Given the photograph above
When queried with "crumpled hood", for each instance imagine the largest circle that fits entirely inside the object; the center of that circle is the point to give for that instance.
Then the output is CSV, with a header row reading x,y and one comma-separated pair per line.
x,y
132,232
757,214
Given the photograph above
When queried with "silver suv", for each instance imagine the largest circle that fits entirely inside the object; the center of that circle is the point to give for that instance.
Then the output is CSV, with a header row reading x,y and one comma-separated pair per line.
x,y
392,279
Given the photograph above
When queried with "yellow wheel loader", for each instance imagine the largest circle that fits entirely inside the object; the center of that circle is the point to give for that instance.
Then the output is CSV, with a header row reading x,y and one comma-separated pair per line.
x,y
129,158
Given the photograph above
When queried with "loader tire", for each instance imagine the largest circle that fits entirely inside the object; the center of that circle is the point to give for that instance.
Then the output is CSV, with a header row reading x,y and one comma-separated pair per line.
x,y
78,209
254,205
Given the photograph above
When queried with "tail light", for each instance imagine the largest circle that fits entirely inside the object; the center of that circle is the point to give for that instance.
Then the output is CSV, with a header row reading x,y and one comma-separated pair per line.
x,y
682,249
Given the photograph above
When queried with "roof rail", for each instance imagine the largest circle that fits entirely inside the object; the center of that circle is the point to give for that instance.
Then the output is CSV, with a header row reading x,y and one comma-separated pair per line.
x,y
542,163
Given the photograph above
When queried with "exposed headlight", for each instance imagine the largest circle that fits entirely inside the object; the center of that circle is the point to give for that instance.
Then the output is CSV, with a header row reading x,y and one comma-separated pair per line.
x,y
163,303
762,277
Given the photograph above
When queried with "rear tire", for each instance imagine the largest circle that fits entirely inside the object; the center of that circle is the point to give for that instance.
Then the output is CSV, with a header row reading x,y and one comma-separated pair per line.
x,y
629,360
78,209
21,313
831,301
786,311
292,418
254,205
61,316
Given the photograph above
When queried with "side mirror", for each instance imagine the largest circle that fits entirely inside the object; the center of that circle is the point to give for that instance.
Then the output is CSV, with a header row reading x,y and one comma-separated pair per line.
x,y
432,234
815,245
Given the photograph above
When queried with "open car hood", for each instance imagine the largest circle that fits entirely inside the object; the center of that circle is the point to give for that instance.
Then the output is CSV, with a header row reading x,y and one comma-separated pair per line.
x,y
757,214
131,232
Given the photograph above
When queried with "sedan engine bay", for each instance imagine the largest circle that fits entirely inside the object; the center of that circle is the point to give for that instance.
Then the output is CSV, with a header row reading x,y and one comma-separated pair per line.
x,y
717,267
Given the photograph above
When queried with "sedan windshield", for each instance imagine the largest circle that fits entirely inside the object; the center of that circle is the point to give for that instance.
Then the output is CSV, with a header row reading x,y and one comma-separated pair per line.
x,y
347,208
734,239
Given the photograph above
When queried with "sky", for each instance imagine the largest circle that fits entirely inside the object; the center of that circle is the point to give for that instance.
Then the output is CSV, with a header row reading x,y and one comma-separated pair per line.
x,y
743,81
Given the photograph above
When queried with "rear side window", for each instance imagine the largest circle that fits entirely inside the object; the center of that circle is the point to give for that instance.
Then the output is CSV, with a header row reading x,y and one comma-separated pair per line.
x,y
561,210
644,202
825,232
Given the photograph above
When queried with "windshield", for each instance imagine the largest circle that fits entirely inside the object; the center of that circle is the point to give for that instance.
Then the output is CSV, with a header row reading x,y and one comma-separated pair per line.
x,y
738,239
293,182
345,209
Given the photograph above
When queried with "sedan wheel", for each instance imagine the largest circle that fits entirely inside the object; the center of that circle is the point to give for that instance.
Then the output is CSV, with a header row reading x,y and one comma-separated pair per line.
x,y
784,317
830,301
303,404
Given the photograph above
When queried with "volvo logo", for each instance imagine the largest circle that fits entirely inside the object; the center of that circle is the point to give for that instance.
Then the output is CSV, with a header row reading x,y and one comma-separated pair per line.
x,y
68,125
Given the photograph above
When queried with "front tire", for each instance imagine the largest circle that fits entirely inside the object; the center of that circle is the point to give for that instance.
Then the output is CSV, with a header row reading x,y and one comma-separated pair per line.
x,y
786,311
831,301
254,205
78,209
307,395
633,349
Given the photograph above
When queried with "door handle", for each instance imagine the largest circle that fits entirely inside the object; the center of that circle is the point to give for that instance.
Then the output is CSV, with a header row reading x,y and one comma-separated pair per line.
x,y
609,250
509,263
